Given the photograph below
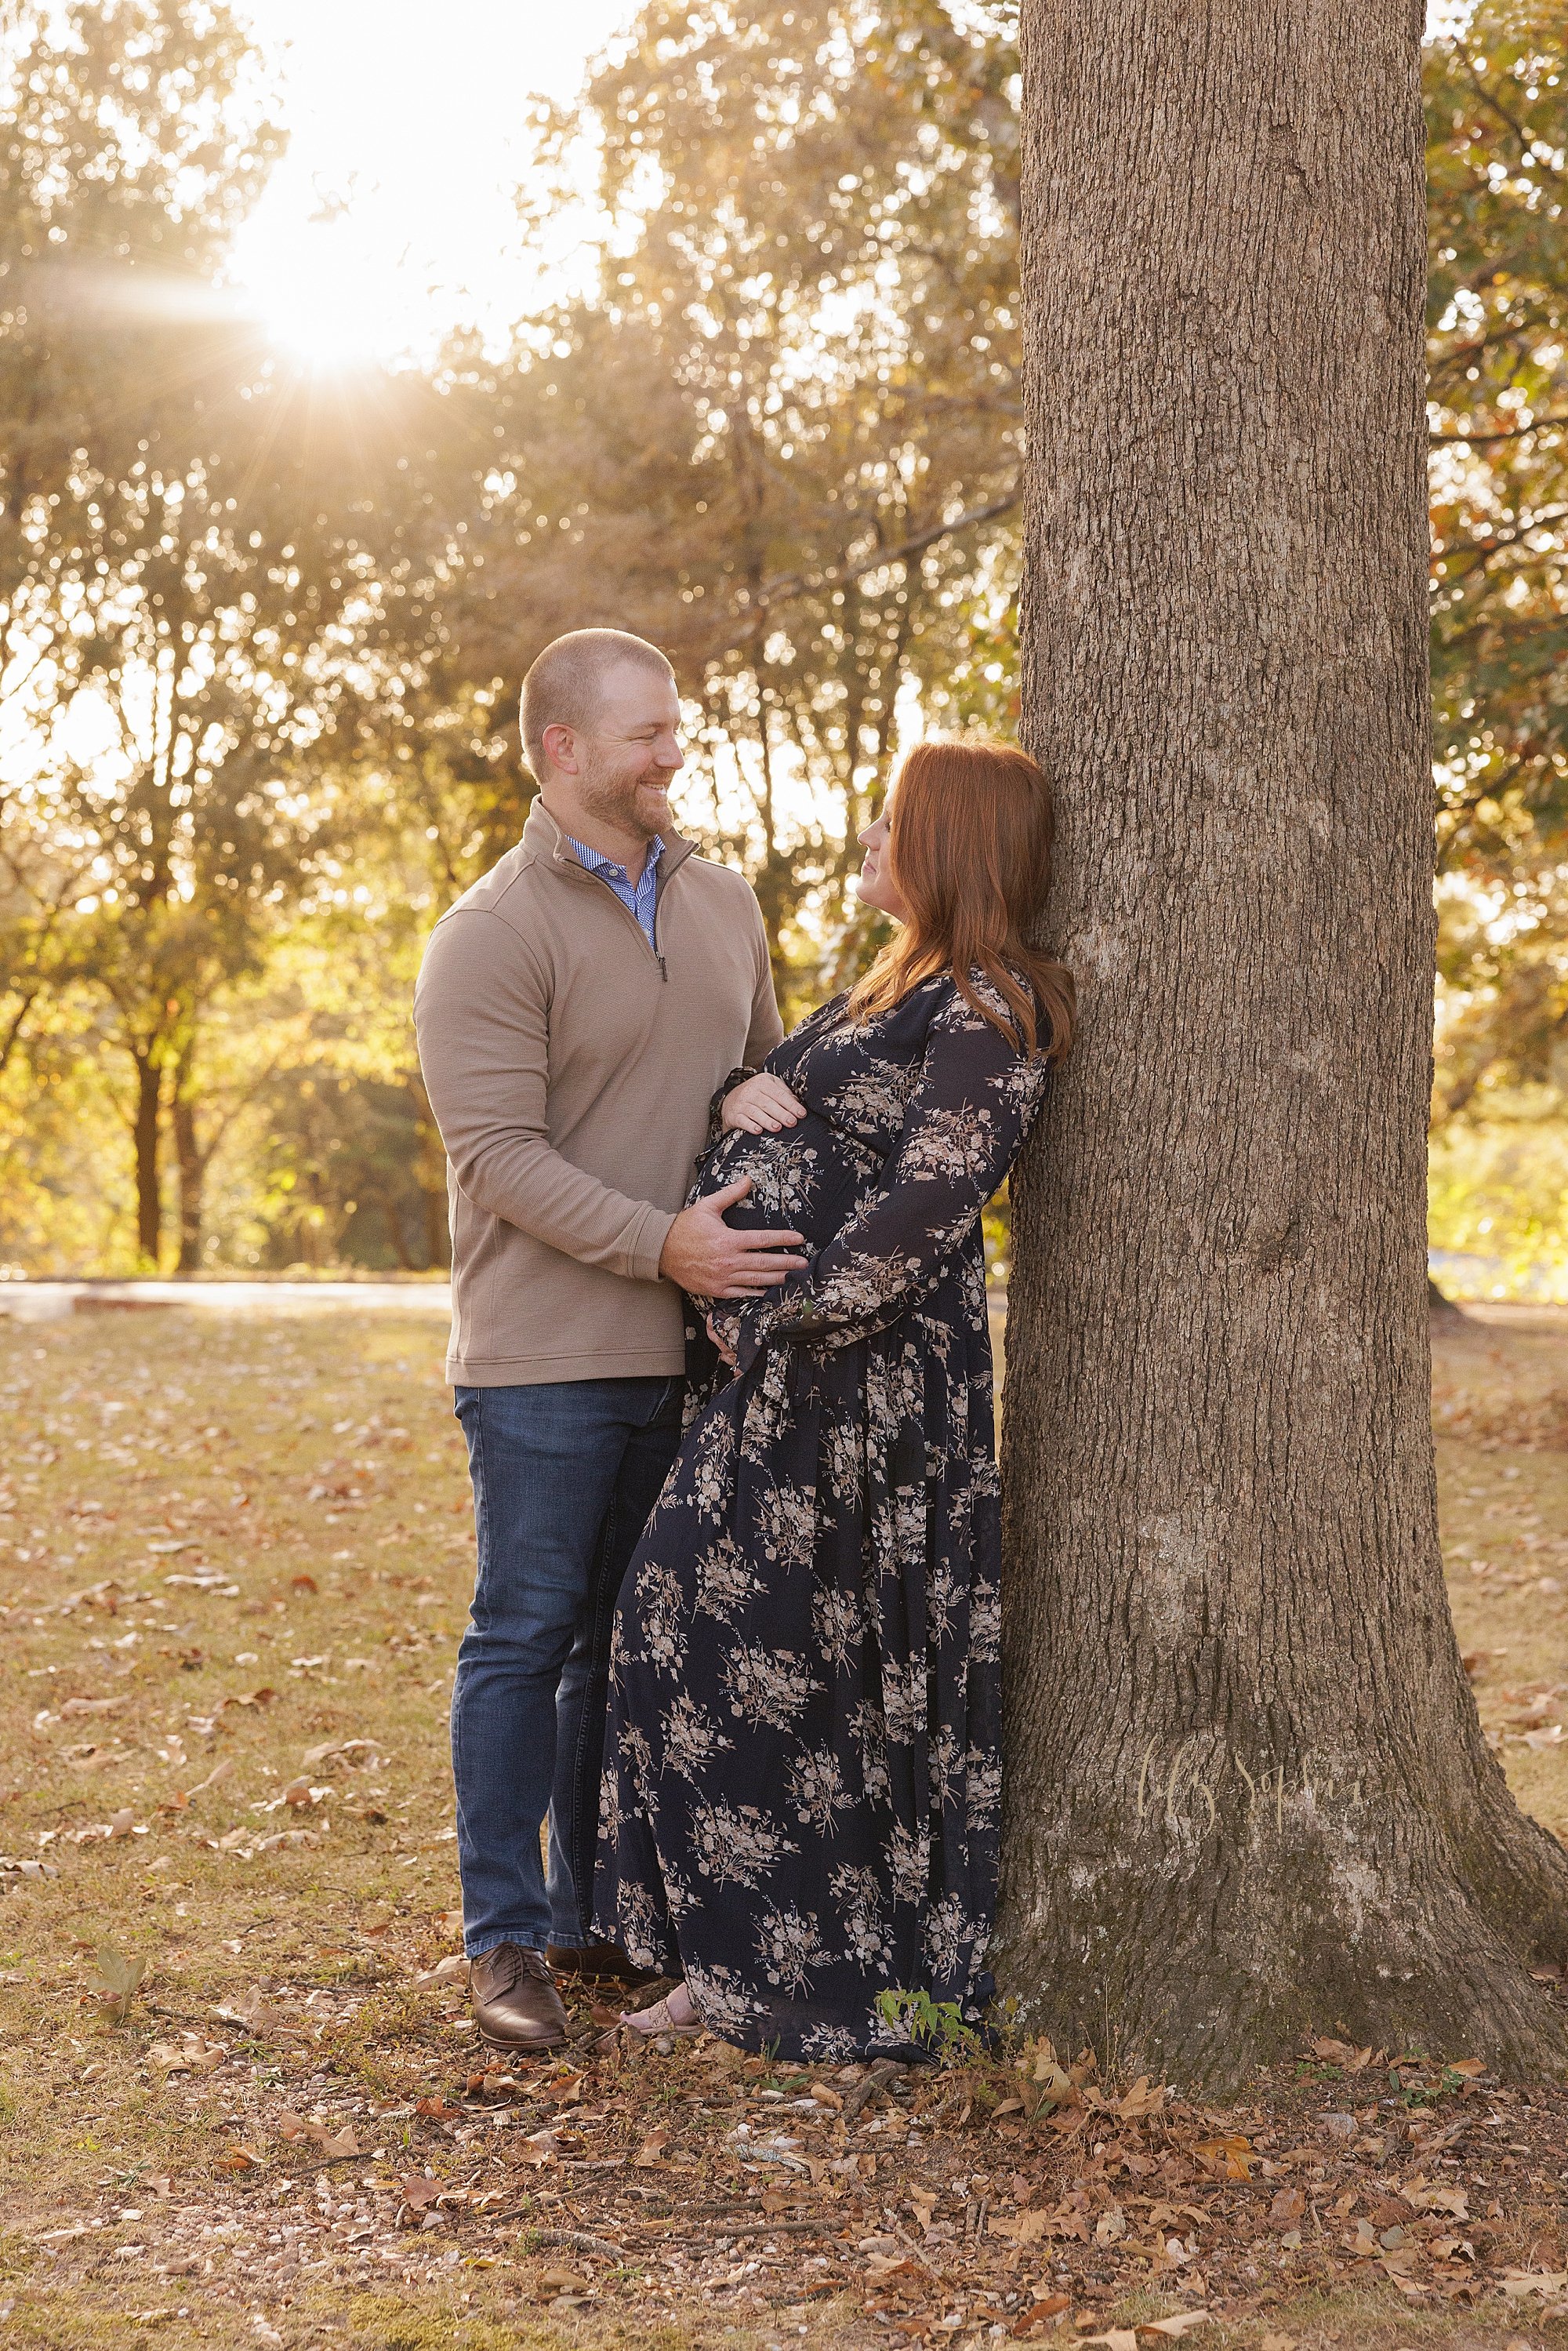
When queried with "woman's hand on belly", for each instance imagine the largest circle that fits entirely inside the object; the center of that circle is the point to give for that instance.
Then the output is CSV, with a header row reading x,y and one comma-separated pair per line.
x,y
727,1353
762,1105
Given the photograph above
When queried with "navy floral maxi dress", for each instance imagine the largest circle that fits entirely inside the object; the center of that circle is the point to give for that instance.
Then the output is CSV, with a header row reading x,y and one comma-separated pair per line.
x,y
800,1800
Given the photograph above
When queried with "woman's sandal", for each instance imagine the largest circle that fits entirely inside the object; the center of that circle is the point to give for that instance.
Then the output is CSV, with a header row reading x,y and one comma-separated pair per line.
x,y
662,2018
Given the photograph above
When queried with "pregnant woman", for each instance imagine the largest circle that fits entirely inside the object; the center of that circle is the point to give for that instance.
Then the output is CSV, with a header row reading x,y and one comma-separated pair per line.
x,y
801,1805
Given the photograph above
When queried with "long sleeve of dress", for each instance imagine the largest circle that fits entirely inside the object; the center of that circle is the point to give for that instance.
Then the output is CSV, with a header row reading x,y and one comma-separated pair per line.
x,y
970,1109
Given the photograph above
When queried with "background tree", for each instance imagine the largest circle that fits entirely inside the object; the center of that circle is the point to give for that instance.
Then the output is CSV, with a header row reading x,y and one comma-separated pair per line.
x,y
215,561
1248,1793
224,635
1497,318
128,157
132,147
1497,102
774,433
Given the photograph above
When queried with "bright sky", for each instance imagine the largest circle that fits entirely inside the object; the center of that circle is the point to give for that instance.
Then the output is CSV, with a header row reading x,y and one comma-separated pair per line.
x,y
403,119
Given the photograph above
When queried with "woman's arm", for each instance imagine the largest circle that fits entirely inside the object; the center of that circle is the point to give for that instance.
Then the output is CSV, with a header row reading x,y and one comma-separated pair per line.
x,y
966,1117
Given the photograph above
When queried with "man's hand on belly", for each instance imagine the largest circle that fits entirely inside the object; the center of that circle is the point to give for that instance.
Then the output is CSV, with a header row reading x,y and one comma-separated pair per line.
x,y
702,1253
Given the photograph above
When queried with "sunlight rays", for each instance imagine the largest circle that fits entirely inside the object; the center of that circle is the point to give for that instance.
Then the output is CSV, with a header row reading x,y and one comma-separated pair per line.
x,y
391,219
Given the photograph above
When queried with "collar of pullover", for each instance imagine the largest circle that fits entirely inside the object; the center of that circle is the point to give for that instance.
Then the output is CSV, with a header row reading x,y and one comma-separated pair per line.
x,y
545,842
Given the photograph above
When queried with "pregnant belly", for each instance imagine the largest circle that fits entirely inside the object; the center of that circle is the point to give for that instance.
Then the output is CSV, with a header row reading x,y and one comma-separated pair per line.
x,y
806,1179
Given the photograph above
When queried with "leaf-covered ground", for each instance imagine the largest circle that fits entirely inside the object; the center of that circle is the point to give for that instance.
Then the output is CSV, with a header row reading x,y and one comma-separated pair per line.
x,y
243,2103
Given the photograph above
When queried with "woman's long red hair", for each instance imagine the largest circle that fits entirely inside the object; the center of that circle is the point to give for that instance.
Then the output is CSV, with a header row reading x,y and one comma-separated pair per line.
x,y
970,851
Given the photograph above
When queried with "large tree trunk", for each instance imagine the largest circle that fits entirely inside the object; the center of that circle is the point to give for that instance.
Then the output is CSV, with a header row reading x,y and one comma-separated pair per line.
x,y
1247,1794
148,1139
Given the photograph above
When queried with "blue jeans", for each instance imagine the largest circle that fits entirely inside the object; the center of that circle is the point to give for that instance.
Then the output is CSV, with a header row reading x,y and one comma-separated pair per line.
x,y
564,1477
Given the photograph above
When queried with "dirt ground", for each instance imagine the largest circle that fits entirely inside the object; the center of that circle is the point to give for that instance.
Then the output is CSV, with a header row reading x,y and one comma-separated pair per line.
x,y
241,2101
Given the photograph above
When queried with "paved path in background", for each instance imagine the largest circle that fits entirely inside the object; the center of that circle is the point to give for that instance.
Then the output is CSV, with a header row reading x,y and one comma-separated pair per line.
x,y
47,1302
1516,1314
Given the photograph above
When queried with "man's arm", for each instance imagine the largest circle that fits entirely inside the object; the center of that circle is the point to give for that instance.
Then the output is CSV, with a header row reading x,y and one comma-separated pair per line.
x,y
484,1035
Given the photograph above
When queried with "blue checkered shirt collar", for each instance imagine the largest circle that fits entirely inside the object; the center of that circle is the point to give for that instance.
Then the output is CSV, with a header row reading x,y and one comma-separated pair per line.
x,y
639,897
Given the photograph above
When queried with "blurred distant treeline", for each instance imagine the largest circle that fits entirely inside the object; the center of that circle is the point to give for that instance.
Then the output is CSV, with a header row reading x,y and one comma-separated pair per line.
x,y
265,624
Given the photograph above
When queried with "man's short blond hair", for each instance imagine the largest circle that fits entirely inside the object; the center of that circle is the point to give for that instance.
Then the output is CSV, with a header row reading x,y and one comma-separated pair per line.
x,y
565,687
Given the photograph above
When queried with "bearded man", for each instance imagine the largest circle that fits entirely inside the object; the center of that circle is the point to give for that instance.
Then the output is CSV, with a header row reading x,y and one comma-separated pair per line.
x,y
577,1010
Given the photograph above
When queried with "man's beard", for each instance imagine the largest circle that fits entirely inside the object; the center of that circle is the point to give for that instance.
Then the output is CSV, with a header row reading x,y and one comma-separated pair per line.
x,y
617,804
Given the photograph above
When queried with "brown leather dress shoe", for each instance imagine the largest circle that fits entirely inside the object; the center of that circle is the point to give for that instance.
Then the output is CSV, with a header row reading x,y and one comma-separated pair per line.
x,y
515,2000
604,1963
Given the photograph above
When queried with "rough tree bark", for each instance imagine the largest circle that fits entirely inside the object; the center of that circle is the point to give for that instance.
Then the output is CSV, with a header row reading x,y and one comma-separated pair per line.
x,y
1248,1793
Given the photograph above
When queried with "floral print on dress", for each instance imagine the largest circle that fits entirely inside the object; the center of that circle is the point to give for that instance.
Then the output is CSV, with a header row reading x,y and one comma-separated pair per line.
x,y
803,1775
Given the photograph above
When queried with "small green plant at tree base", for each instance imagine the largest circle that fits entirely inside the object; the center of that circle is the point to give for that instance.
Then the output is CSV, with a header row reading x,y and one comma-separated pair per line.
x,y
935,2025
1004,2025
1060,2084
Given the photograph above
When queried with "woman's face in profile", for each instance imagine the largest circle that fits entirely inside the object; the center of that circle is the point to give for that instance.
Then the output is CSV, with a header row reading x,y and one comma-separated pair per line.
x,y
874,883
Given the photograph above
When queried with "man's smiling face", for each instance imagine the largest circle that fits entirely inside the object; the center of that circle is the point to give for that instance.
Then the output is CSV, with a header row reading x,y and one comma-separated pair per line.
x,y
628,758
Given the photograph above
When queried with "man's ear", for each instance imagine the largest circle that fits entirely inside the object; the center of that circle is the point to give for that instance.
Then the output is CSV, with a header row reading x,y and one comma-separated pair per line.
x,y
560,746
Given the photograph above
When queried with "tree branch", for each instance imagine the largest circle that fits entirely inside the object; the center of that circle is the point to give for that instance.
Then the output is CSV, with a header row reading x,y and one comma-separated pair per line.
x,y
1483,549
1530,151
1482,440
14,1034
793,584
1518,329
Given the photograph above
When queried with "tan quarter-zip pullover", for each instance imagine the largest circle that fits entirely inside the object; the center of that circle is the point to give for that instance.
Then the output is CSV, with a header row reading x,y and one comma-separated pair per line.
x,y
570,1067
